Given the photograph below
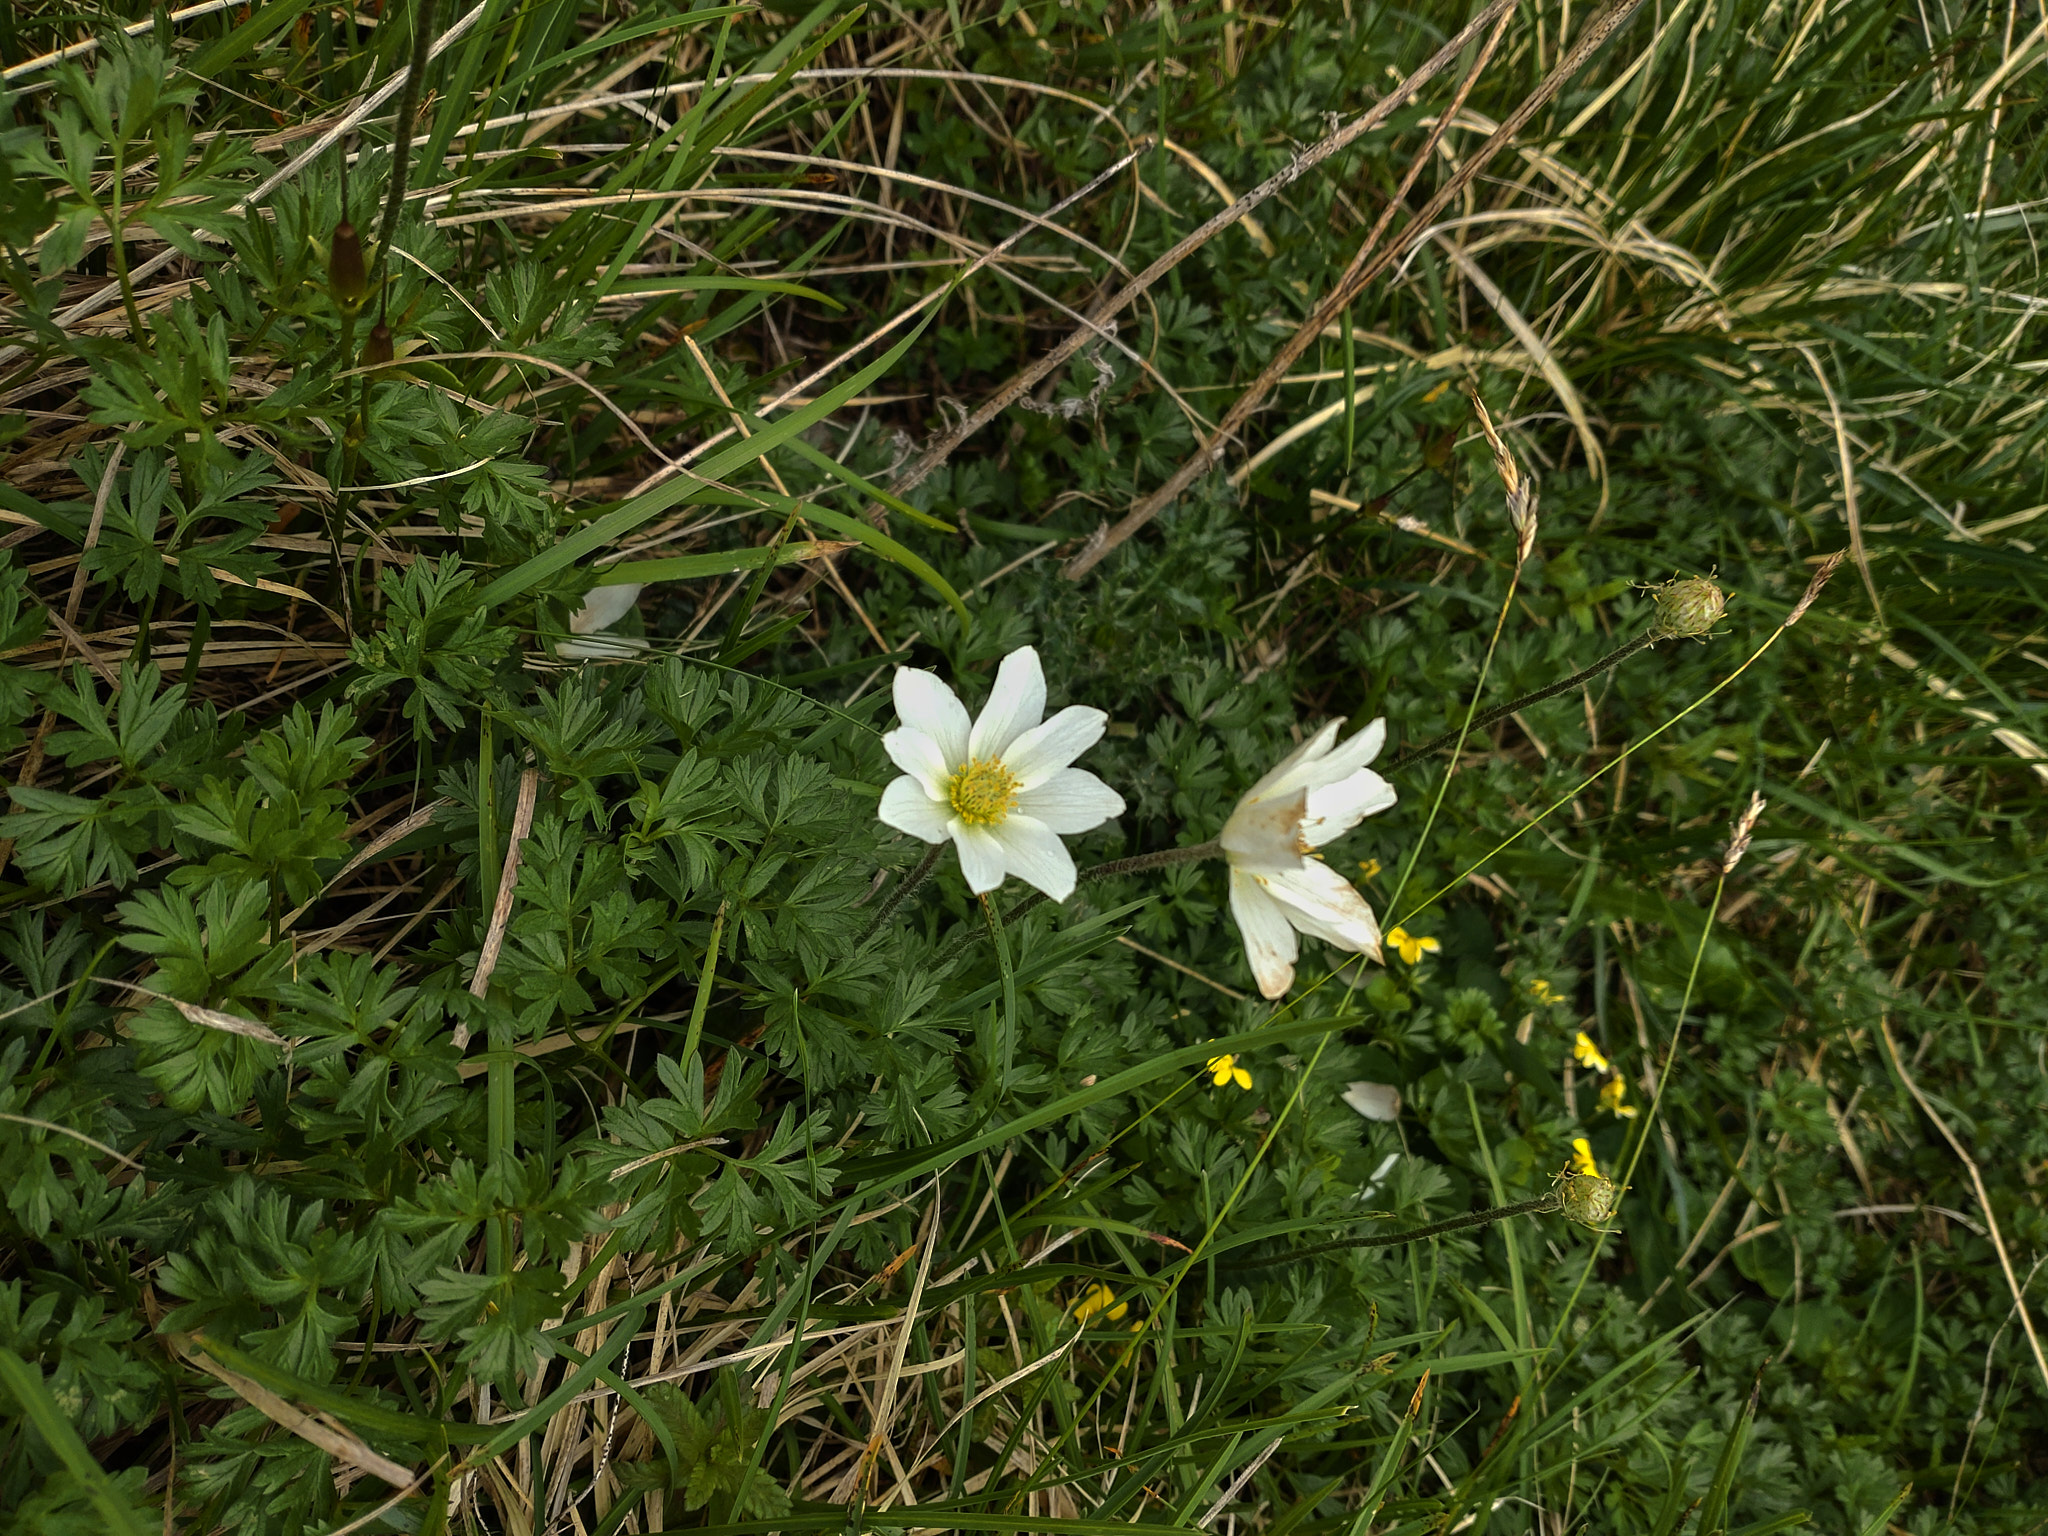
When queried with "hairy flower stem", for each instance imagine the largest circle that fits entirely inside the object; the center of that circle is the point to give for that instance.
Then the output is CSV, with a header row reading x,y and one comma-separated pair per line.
x,y
1613,658
920,873
401,142
1136,864
1540,1205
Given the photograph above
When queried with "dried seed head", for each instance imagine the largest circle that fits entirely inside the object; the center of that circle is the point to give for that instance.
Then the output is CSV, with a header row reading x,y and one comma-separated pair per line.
x,y
1820,579
348,282
1687,609
377,351
1521,490
1745,824
1588,1198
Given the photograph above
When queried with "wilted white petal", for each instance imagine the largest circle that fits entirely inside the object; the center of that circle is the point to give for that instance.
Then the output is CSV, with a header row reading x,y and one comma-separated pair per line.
x,y
920,757
1015,705
1375,1101
603,607
1321,902
1334,809
1072,800
925,704
1379,1177
908,808
1269,941
1042,752
1033,853
981,856
1354,754
1260,833
1307,752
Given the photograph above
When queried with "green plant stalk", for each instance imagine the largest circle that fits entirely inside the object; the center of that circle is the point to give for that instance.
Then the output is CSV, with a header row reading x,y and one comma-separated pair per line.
x,y
1458,741
1656,1101
1494,716
117,246
1541,1205
1596,776
706,979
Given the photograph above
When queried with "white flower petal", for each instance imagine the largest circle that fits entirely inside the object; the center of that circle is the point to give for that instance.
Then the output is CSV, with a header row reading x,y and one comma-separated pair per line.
x,y
1260,833
1033,853
1355,754
920,757
603,607
925,704
1309,750
1375,1101
1334,809
1269,942
1042,752
906,807
981,856
1321,902
1015,705
1072,800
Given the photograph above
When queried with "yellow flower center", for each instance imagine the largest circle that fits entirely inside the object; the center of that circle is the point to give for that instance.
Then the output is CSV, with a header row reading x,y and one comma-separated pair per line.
x,y
982,794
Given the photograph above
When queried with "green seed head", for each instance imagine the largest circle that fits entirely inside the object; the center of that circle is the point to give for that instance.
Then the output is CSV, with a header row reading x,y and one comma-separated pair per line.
x,y
348,282
1588,1198
1687,609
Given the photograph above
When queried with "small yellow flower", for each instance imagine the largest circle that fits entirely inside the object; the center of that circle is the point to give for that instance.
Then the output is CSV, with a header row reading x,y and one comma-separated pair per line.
x,y
1582,1158
1224,1070
1100,1298
1412,949
1544,992
1587,1054
1613,1096
1369,868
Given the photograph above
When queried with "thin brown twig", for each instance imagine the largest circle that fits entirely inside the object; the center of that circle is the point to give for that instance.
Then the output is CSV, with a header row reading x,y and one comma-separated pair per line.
x,y
1365,267
1123,298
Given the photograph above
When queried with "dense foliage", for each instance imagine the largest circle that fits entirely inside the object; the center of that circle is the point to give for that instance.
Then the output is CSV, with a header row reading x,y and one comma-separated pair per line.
x,y
459,1070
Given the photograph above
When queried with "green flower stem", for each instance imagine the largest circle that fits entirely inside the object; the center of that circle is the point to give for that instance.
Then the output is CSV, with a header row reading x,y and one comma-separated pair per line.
x,y
1613,658
1542,1204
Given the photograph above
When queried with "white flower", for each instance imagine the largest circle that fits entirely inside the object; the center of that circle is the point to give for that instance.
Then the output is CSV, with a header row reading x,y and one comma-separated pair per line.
x,y
1375,1101
1276,885
1000,788
602,608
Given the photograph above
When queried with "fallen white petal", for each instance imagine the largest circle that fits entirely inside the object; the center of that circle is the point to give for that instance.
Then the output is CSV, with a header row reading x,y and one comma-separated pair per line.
x,y
1038,754
1033,853
1015,704
1269,941
603,607
1375,1101
601,648
1072,800
906,807
925,704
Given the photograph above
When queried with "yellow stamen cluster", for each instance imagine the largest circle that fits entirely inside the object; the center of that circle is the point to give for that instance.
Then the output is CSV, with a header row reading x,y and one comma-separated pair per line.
x,y
982,794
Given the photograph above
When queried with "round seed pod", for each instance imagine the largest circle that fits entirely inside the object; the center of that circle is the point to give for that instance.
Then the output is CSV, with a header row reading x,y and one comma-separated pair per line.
x,y
1687,609
1588,1198
348,281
